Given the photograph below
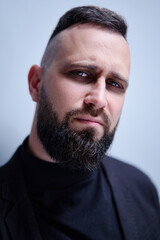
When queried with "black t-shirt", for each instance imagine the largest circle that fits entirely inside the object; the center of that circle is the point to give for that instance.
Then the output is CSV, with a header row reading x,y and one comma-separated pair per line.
x,y
70,204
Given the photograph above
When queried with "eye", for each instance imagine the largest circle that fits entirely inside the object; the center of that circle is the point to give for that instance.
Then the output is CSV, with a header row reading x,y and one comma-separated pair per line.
x,y
115,86
81,76
79,73
113,83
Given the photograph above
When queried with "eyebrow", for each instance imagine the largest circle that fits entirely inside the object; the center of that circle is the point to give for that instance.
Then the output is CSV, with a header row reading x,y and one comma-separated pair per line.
x,y
120,78
96,69
81,65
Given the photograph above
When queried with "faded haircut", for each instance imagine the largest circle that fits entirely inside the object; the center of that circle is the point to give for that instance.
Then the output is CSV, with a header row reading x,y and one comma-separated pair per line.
x,y
94,15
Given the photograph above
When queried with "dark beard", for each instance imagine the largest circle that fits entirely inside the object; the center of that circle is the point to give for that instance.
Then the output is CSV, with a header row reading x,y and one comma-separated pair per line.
x,y
70,148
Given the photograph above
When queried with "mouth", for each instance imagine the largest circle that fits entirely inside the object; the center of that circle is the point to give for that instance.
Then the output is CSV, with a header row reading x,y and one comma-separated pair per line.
x,y
90,121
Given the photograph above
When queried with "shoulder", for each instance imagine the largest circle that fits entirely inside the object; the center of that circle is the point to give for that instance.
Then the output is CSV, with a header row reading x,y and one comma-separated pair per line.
x,y
125,171
130,177
133,188
10,169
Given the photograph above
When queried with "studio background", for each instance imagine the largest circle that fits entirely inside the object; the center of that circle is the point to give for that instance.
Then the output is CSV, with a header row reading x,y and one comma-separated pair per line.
x,y
25,27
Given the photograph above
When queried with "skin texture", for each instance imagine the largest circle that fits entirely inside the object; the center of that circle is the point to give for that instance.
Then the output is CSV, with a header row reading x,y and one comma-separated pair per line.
x,y
90,67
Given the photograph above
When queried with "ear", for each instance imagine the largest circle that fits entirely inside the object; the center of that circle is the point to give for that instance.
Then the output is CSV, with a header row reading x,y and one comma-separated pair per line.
x,y
34,81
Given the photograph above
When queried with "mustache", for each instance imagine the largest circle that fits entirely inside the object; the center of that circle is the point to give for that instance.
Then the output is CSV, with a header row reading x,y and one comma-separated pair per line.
x,y
89,109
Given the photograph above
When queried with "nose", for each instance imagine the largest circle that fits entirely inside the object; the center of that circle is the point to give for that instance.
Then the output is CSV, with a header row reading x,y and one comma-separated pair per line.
x,y
97,94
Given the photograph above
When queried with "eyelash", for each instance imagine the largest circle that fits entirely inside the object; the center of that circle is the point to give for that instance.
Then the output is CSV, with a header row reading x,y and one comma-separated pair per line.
x,y
111,84
115,85
76,72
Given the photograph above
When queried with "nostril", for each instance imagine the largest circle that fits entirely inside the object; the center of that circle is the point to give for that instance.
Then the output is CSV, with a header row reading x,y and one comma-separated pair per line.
x,y
92,110
95,101
89,105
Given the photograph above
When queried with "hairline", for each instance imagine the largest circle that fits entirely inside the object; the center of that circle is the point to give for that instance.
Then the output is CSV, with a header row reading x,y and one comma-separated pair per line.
x,y
51,43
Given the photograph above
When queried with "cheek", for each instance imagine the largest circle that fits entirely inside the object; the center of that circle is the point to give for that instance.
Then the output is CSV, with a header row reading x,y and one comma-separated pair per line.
x,y
65,97
115,109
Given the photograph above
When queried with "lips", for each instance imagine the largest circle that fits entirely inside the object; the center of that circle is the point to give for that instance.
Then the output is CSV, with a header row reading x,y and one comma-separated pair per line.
x,y
89,120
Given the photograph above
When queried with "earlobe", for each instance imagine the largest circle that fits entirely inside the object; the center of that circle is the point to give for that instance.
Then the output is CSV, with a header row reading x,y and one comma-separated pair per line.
x,y
34,81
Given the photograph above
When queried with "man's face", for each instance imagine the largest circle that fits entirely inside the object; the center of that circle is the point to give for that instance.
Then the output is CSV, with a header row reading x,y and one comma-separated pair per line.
x,y
91,67
88,78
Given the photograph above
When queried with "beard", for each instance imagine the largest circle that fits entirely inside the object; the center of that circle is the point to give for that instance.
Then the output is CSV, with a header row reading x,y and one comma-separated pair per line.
x,y
70,148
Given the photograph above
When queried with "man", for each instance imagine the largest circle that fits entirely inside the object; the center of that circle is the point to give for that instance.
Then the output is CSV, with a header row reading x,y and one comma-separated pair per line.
x,y
59,184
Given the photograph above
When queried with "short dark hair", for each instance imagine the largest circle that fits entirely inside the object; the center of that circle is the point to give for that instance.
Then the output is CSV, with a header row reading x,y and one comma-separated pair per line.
x,y
102,17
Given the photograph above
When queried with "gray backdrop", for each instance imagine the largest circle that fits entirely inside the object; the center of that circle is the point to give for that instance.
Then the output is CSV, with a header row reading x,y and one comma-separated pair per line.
x,y
25,27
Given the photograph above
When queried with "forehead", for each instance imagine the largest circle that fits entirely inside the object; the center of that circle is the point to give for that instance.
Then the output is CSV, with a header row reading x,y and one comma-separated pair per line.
x,y
90,34
91,43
